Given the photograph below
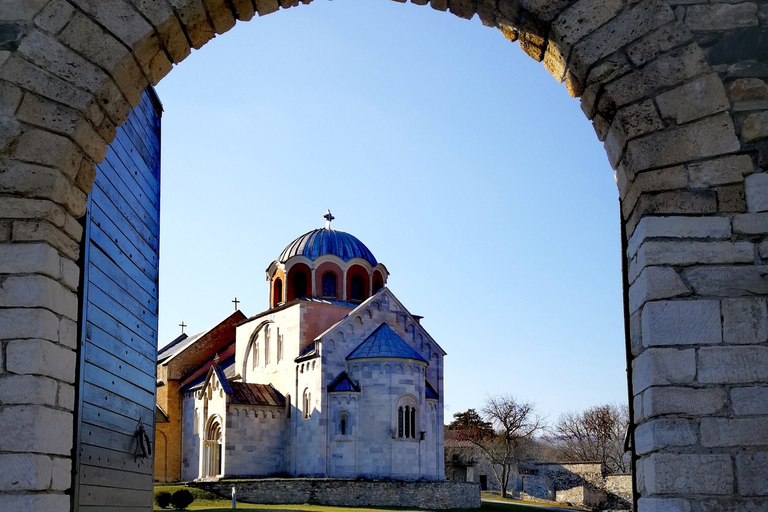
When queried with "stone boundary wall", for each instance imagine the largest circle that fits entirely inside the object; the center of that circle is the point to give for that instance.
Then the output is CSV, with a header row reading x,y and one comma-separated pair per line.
x,y
350,493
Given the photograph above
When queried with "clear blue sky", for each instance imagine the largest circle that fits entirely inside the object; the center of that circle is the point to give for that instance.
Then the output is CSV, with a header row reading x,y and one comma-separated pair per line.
x,y
464,167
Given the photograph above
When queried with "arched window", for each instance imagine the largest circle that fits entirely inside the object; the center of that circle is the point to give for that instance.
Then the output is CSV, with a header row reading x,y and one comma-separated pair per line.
x,y
406,418
329,285
307,403
377,285
358,288
300,285
266,345
344,425
277,297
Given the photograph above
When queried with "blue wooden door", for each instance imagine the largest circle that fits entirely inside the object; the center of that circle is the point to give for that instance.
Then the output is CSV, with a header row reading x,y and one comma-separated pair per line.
x,y
118,349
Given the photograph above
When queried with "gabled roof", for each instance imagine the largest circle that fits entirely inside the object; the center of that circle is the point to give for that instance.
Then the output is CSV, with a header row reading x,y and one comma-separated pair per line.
x,y
343,383
256,394
384,343
183,342
228,367
309,352
430,391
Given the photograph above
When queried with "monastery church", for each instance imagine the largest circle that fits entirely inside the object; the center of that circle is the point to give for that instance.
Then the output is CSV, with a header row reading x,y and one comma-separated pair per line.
x,y
335,379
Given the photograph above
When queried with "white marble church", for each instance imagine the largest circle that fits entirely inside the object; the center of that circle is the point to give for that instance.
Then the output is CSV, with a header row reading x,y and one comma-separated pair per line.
x,y
335,379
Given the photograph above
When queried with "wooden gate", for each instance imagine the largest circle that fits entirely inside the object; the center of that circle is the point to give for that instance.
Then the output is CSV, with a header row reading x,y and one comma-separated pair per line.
x,y
118,345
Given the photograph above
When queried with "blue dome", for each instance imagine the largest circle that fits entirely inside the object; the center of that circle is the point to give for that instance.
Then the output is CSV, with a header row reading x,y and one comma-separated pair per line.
x,y
327,241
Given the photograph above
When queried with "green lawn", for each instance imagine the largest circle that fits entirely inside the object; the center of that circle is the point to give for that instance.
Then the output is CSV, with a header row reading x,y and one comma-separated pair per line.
x,y
205,501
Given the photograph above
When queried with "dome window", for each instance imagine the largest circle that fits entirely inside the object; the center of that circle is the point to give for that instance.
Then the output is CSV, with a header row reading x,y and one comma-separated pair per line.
x,y
277,296
329,285
357,288
300,285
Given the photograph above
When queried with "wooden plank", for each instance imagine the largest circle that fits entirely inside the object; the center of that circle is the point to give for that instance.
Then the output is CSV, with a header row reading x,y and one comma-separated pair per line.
x,y
121,287
95,495
99,320
126,260
97,476
125,221
106,438
104,458
115,403
133,197
103,359
130,158
129,242
121,387
111,258
121,314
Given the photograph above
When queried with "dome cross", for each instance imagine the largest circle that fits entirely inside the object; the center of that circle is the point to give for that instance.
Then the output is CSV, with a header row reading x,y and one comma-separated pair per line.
x,y
328,218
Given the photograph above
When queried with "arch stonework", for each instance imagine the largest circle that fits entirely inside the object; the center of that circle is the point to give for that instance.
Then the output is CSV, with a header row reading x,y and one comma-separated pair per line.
x,y
677,91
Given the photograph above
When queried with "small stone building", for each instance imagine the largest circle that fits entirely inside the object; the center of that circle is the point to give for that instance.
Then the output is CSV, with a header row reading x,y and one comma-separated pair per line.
x,y
336,379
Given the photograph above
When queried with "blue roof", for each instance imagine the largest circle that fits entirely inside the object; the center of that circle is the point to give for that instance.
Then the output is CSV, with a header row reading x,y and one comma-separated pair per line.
x,y
343,383
430,391
327,241
384,343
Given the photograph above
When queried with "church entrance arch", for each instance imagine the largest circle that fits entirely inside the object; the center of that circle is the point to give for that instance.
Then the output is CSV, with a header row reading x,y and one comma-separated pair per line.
x,y
676,91
212,448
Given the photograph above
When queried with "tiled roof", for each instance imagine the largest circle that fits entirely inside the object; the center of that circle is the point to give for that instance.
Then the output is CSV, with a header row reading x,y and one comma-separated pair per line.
x,y
256,394
343,383
327,241
384,343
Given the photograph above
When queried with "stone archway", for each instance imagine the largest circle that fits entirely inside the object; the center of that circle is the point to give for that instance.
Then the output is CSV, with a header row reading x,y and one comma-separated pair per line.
x,y
676,90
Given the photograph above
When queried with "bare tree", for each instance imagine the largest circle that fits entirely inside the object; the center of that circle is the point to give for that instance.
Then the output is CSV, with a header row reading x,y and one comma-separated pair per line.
x,y
596,434
514,423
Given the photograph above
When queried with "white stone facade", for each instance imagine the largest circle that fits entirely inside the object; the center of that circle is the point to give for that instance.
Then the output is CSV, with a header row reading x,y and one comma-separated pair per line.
x,y
320,432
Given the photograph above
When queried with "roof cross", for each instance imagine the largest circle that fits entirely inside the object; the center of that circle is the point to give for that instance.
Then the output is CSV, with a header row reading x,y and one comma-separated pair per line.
x,y
236,303
182,325
328,218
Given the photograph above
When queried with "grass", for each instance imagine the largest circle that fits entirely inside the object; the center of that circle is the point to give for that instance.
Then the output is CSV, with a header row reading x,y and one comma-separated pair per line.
x,y
208,502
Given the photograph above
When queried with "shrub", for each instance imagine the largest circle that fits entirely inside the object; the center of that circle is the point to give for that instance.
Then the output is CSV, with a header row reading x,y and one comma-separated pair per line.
x,y
181,499
163,499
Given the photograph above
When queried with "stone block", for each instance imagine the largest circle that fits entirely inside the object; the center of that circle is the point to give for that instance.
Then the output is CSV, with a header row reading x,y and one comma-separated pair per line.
x,y
734,432
70,274
264,7
763,249
41,231
655,283
750,400
721,16
733,365
168,26
28,323
728,281
666,71
678,227
630,122
663,505
690,252
45,430
581,19
675,202
707,137
25,472
617,33
48,53
659,401
610,68
756,187
54,16
32,291
670,178
702,97
10,98
752,473
39,81
745,321
68,333
40,357
10,129
637,407
35,502
545,10
658,434
754,127
73,228
659,367
43,182
665,38
29,259
22,10
66,397
61,474
681,322
748,89
719,171
26,208
27,389
688,474
46,148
